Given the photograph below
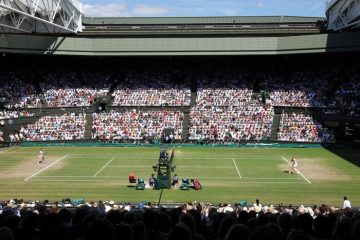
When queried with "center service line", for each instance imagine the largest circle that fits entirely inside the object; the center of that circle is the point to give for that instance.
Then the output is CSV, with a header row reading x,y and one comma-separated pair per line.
x,y
236,168
104,166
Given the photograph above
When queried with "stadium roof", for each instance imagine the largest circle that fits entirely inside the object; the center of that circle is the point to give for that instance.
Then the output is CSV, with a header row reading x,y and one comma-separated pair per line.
x,y
201,20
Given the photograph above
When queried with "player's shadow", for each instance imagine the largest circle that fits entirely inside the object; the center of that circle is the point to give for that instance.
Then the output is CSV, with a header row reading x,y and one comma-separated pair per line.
x,y
130,186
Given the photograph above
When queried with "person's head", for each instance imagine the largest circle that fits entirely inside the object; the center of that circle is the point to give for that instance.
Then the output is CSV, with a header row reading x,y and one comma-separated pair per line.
x,y
345,197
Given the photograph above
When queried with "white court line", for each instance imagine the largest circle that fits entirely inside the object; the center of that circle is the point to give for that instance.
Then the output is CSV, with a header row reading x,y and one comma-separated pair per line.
x,y
103,180
236,168
117,156
45,168
179,157
126,177
104,166
69,180
210,167
298,170
117,177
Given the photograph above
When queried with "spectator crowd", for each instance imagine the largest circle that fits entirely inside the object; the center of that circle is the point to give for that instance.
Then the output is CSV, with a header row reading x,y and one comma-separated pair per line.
x,y
136,124
225,108
109,220
298,127
69,126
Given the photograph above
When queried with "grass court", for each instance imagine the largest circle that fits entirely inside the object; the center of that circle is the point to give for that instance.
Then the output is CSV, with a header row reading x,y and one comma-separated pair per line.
x,y
227,174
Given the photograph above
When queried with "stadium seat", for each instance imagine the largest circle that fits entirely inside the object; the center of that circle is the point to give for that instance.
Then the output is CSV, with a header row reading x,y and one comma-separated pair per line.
x,y
184,186
140,186
185,181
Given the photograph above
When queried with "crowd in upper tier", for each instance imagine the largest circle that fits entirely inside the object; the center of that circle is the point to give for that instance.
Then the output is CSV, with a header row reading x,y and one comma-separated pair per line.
x,y
152,88
223,97
136,124
65,89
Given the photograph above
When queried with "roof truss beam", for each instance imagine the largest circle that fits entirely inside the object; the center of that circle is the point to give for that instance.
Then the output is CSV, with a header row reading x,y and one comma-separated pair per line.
x,y
55,16
343,14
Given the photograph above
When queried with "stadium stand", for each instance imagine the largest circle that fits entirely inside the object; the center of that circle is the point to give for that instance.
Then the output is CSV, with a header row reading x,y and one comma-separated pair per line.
x,y
219,101
302,128
69,126
76,219
136,125
306,91
149,87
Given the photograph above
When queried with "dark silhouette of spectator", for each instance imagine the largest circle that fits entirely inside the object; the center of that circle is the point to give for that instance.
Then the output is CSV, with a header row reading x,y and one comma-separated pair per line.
x,y
200,225
252,224
237,232
304,222
322,227
78,216
139,231
123,231
224,226
265,233
243,217
355,233
298,235
99,229
343,228
149,219
262,219
163,225
175,215
29,228
48,222
13,223
6,234
189,220
180,232
114,216
65,216
285,224
130,217
59,233
86,222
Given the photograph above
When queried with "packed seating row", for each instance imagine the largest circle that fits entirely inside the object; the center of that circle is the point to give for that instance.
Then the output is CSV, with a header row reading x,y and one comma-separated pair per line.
x,y
69,126
109,220
144,86
299,127
136,124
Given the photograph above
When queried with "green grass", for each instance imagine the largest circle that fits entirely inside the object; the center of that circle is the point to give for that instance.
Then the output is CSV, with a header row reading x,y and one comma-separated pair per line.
x,y
227,174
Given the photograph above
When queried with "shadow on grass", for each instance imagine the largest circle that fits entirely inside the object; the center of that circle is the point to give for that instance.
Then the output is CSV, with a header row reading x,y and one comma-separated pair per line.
x,y
348,151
